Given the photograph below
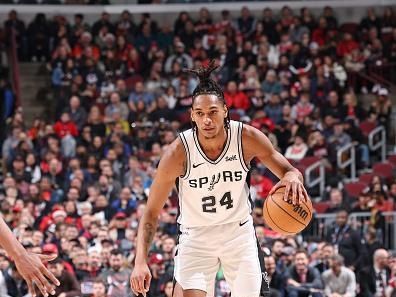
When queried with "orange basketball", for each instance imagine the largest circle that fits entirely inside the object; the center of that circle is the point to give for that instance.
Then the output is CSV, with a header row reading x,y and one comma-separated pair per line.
x,y
284,217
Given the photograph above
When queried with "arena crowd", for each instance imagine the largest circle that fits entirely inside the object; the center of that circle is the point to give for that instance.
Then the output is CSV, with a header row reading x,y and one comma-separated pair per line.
x,y
76,182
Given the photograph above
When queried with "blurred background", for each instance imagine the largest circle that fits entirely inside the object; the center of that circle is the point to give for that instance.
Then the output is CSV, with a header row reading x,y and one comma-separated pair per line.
x,y
93,92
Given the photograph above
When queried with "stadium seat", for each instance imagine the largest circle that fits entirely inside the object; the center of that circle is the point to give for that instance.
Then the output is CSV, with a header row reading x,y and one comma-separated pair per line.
x,y
392,159
367,127
304,163
131,81
366,178
349,28
355,188
321,207
384,170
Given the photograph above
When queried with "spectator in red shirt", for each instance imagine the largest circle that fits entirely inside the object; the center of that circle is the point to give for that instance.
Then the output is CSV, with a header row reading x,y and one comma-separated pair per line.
x,y
347,45
319,35
65,126
236,99
261,183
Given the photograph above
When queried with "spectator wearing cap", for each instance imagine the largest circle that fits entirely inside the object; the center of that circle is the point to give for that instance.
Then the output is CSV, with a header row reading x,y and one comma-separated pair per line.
x,y
157,267
69,286
271,84
339,281
51,249
117,226
58,215
303,280
117,275
382,106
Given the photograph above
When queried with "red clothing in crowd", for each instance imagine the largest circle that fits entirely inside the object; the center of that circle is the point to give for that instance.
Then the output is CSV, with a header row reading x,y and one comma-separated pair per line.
x,y
78,52
61,129
345,47
238,100
319,36
263,186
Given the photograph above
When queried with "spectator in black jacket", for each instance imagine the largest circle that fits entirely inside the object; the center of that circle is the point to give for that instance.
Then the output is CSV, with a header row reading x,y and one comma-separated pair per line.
x,y
374,278
69,286
275,276
347,240
302,280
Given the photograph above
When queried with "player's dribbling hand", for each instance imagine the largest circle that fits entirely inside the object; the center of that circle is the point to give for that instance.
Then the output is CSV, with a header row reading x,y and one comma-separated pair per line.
x,y
293,186
140,279
30,267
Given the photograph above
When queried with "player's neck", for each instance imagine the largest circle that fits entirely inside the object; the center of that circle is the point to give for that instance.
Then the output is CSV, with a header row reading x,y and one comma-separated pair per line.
x,y
215,143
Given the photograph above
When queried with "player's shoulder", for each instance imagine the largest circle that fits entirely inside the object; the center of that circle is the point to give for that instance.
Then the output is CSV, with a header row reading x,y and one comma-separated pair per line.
x,y
172,163
249,133
175,150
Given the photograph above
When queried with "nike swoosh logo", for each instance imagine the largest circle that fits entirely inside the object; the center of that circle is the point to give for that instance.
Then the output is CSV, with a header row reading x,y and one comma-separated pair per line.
x,y
241,224
196,165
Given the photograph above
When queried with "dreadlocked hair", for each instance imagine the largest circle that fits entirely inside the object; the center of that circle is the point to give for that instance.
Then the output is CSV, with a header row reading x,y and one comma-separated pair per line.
x,y
207,86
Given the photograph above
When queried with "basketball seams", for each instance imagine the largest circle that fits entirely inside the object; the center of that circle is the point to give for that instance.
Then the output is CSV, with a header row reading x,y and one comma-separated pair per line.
x,y
304,203
269,216
287,212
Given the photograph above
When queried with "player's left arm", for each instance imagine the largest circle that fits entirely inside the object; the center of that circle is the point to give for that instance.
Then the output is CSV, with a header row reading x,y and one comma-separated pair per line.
x,y
256,144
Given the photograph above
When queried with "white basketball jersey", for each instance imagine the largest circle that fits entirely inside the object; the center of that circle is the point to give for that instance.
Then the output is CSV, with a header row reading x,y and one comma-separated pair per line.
x,y
214,192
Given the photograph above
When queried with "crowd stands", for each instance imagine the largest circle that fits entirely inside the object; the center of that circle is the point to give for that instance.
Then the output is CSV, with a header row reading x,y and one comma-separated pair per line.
x,y
76,185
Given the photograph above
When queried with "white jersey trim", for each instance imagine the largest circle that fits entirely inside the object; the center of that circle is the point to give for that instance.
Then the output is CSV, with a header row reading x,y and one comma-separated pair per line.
x,y
245,166
220,157
187,153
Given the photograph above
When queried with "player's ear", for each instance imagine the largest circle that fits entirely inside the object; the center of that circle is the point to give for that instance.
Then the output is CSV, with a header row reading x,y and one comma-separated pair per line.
x,y
225,111
191,115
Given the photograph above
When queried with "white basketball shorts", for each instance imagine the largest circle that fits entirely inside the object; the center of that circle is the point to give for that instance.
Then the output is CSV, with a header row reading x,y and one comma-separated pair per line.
x,y
201,251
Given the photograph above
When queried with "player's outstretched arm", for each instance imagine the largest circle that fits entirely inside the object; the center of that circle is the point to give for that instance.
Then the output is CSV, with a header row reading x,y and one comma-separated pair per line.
x,y
29,266
170,167
256,144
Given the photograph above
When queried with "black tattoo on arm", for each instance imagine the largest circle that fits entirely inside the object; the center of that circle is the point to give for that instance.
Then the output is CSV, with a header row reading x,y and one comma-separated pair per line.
x,y
148,234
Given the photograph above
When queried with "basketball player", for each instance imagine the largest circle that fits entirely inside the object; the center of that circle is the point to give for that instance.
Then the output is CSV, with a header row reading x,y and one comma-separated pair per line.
x,y
29,266
210,164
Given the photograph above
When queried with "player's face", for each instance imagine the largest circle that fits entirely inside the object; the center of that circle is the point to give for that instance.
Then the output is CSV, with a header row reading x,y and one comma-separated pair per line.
x,y
208,113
